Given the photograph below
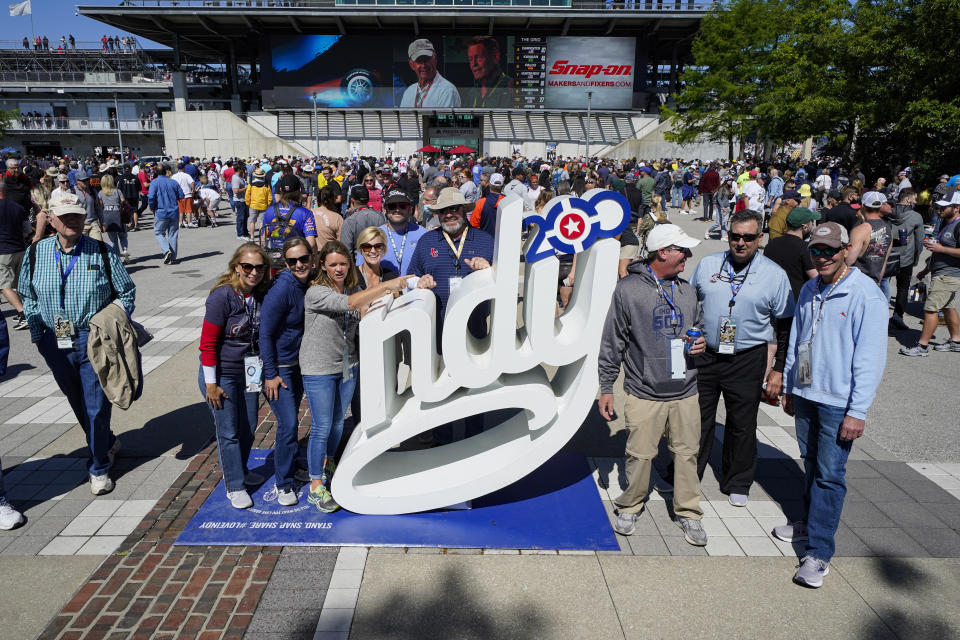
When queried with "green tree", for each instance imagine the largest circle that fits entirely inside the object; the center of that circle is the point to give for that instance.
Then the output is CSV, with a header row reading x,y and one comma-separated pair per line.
x,y
6,120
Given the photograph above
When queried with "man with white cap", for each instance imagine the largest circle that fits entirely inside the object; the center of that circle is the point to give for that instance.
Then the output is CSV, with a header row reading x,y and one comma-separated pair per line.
x,y
431,90
645,330
834,364
65,280
485,212
944,265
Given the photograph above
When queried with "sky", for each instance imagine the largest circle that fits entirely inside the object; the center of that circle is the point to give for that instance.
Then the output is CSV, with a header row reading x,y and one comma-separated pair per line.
x,y
83,29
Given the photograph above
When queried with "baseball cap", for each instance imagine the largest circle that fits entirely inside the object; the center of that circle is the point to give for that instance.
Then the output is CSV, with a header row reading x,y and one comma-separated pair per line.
x,y
792,194
668,235
497,179
81,175
954,200
873,199
835,194
288,184
63,178
829,234
307,168
360,193
800,216
421,47
944,177
65,204
753,173
397,195
645,169
451,197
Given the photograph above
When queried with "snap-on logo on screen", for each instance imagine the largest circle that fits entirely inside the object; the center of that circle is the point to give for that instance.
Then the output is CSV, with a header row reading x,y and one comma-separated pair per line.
x,y
564,67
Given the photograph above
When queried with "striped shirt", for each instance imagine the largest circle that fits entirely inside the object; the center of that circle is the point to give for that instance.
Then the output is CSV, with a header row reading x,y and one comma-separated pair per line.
x,y
86,290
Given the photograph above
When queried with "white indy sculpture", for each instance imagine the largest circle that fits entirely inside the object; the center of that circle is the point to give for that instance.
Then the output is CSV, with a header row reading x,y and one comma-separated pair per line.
x,y
501,371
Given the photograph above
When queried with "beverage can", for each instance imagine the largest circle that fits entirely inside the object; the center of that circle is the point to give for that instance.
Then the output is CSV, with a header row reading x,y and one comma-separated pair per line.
x,y
692,336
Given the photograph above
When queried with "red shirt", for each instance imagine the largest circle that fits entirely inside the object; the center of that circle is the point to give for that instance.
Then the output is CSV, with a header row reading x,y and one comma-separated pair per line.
x,y
228,175
144,182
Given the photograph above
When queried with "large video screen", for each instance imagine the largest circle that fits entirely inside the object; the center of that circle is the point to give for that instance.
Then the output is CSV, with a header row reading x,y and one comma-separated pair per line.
x,y
449,72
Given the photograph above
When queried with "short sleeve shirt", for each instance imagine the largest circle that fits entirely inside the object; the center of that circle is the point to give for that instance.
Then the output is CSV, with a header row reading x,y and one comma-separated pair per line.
x,y
764,296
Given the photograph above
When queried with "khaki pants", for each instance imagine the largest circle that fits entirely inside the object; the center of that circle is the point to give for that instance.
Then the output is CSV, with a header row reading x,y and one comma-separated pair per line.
x,y
646,422
93,230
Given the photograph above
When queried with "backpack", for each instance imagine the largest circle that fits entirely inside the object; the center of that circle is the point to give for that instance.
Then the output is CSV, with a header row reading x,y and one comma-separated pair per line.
x,y
678,178
278,231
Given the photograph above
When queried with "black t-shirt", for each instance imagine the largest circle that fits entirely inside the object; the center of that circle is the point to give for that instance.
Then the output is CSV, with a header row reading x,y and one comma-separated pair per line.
x,y
12,217
793,256
843,214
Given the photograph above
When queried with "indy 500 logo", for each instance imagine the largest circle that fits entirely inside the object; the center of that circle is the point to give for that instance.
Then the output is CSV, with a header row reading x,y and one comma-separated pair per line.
x,y
505,370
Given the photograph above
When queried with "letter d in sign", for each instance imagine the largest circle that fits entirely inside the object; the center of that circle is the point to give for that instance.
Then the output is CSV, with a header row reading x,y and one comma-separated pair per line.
x,y
503,371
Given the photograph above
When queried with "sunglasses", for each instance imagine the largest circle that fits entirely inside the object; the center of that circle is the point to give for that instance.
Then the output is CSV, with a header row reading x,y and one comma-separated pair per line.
x,y
746,237
247,267
372,247
292,262
397,207
827,252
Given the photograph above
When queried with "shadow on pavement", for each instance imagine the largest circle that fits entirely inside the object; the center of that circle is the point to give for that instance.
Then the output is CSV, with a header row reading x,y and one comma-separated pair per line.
x,y
450,610
907,582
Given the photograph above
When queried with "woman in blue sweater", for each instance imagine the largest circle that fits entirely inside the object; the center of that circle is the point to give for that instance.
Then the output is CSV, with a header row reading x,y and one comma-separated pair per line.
x,y
281,331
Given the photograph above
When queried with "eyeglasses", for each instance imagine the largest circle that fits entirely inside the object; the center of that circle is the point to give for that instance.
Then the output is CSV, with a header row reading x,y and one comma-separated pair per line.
x,y
292,262
247,267
827,252
379,246
398,207
746,237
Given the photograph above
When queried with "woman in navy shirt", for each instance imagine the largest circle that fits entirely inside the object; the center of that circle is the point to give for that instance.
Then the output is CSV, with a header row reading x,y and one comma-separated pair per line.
x,y
281,332
229,364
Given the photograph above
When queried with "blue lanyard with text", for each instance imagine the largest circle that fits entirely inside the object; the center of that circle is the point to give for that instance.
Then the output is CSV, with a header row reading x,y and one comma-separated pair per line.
x,y
674,319
393,245
735,288
65,274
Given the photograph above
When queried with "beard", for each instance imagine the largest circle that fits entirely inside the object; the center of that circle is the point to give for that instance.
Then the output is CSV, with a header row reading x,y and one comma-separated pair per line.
x,y
454,228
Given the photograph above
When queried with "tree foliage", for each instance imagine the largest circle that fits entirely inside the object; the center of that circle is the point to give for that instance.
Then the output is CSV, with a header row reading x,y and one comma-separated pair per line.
x,y
871,75
6,119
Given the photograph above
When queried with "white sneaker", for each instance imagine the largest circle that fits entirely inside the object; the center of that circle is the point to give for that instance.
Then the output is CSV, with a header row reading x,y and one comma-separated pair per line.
x,y
9,517
100,485
738,499
239,499
253,478
287,497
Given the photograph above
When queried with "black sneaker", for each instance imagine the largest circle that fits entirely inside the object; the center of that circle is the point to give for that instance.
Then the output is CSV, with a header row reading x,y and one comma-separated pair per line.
x,y
20,322
168,257
897,322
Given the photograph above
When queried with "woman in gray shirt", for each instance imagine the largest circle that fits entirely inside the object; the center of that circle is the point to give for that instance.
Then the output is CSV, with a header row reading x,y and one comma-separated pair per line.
x,y
328,357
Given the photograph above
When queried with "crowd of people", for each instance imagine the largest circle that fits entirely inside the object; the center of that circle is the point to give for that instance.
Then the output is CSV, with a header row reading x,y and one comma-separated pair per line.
x,y
111,44
802,322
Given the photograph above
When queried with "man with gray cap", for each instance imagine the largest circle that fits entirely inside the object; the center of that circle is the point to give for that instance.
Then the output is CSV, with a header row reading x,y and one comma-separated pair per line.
x,y
870,241
835,361
645,331
431,90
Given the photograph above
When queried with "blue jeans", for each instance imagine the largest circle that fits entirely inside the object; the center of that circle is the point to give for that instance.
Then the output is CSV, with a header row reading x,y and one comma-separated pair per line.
x,y
677,196
241,210
721,223
825,462
328,398
166,230
234,425
78,381
229,190
708,206
287,410
885,288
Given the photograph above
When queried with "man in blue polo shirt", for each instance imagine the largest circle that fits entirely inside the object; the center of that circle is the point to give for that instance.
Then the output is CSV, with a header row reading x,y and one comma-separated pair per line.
x,y
747,301
403,234
163,197
452,252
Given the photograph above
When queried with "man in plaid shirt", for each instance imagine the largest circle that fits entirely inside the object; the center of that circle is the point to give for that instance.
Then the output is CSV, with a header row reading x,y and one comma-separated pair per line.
x,y
64,282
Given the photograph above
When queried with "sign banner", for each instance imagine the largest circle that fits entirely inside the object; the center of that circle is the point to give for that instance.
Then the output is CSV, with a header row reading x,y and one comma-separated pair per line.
x,y
21,8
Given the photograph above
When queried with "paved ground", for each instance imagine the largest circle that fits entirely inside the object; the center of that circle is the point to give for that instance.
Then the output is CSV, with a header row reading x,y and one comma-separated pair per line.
x,y
896,574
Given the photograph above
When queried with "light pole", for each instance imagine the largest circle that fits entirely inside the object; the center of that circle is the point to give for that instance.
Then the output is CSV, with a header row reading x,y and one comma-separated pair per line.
x,y
116,107
589,127
316,125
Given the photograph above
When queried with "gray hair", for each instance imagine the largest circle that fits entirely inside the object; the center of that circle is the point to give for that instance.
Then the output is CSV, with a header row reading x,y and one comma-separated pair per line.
x,y
746,215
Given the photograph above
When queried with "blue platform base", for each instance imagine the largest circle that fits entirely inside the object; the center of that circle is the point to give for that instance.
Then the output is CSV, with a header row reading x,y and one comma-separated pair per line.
x,y
555,507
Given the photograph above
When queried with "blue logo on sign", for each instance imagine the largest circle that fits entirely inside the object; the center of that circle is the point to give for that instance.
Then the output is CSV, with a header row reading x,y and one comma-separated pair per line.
x,y
571,225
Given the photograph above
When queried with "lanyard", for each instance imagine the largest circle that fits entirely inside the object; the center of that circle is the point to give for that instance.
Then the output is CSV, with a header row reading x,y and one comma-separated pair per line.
x,y
393,245
735,287
456,251
421,95
65,274
483,99
250,308
823,300
674,319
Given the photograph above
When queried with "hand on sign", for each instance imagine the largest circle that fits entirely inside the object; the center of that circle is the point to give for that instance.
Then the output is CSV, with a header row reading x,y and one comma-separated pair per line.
x,y
477,263
426,281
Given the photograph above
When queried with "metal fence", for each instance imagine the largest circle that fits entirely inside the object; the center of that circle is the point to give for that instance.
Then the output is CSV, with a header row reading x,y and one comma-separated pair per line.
x,y
604,5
